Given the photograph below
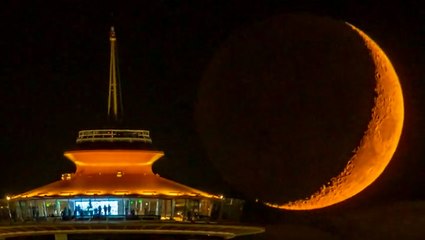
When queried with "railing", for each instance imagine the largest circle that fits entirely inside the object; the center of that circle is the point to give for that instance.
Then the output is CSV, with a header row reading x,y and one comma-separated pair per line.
x,y
114,135
58,229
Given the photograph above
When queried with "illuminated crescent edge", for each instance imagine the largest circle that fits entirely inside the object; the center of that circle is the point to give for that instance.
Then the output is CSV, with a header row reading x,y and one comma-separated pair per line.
x,y
377,145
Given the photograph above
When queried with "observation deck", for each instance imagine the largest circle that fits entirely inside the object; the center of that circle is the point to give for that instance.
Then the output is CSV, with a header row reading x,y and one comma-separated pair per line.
x,y
114,135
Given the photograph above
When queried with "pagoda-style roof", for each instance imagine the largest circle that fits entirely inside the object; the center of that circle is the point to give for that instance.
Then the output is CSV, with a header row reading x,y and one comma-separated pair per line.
x,y
114,173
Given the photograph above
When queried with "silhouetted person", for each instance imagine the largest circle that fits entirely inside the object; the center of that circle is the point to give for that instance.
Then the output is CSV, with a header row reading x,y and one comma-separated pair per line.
x,y
33,212
78,210
109,209
64,213
13,215
100,210
105,210
189,215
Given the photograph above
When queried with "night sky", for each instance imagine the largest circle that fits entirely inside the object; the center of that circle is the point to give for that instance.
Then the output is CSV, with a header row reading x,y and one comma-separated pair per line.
x,y
54,73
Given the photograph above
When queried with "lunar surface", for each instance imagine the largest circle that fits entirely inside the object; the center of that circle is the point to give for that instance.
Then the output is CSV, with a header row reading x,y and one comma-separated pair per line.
x,y
300,107
378,144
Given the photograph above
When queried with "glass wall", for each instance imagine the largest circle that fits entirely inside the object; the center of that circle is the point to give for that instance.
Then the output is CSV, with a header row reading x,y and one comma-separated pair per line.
x,y
149,208
179,209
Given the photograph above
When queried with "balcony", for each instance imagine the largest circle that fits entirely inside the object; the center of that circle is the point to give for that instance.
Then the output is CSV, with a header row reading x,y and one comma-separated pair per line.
x,y
114,135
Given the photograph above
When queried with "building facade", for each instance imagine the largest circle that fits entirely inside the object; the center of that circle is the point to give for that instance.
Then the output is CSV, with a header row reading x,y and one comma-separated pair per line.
x,y
117,182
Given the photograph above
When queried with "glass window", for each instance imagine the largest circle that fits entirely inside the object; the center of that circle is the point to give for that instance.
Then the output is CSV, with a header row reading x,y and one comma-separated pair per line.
x,y
166,209
88,207
205,208
179,209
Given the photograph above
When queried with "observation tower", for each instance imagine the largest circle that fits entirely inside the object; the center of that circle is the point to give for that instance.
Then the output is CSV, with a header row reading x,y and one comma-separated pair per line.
x,y
114,182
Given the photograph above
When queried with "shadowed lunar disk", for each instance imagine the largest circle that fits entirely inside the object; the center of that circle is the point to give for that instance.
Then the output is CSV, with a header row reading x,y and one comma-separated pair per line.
x,y
285,103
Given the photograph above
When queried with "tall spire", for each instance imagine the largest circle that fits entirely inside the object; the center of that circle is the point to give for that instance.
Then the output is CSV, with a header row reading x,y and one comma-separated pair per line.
x,y
114,99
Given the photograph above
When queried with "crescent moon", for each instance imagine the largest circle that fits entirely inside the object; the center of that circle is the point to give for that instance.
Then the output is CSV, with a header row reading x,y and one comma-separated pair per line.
x,y
377,145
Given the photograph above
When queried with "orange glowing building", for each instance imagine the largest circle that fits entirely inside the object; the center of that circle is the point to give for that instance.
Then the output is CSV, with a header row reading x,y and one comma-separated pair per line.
x,y
114,179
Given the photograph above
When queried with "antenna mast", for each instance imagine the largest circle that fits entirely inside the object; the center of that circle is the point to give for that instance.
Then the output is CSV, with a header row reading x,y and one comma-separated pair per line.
x,y
114,98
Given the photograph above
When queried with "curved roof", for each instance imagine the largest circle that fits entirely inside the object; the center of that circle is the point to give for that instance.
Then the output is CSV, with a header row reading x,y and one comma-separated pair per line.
x,y
109,184
113,172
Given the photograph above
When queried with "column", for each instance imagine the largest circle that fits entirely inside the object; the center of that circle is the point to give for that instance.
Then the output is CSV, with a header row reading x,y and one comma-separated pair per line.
x,y
61,236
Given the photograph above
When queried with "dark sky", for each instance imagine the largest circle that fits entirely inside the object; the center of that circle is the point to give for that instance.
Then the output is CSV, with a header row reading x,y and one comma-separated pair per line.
x,y
54,73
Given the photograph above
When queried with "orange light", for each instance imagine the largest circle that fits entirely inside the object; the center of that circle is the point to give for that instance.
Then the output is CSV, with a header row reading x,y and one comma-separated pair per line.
x,y
66,176
120,192
114,172
65,194
90,193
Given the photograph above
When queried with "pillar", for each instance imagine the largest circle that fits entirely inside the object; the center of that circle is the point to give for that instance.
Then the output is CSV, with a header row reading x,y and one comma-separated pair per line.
x,y
61,236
